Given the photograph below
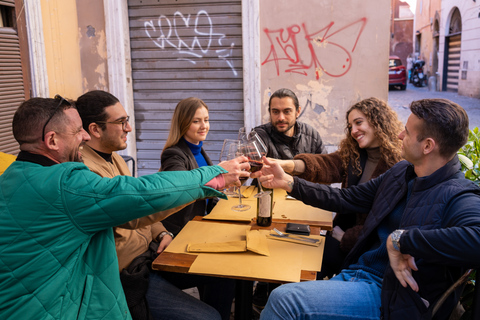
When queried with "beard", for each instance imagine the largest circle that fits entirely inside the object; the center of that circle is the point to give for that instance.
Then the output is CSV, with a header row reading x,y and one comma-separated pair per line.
x,y
289,126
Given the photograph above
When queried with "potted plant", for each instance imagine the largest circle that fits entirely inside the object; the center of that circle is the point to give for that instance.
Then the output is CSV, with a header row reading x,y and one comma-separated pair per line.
x,y
469,157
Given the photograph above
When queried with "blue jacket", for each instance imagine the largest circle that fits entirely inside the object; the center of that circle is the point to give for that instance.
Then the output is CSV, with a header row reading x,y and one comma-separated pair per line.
x,y
57,251
443,222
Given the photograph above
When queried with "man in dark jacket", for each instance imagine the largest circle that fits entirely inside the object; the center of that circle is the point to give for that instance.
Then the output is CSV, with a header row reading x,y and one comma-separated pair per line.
x,y
422,230
284,136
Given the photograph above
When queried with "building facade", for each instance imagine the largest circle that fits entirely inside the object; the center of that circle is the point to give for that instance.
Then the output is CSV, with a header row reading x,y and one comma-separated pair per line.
x,y
401,30
447,38
231,54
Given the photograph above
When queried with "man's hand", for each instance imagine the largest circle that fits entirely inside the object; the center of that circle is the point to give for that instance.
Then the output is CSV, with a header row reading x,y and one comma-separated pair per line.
x,y
166,239
287,165
236,168
272,176
402,265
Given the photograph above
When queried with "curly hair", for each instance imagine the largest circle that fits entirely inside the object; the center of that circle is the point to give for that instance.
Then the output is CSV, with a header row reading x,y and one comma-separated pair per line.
x,y
387,128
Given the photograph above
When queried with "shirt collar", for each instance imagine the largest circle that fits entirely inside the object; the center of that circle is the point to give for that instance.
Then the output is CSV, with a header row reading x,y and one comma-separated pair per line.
x,y
35,158
106,156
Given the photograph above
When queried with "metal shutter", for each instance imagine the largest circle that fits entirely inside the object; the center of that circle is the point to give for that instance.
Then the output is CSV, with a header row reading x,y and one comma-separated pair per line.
x,y
12,92
184,49
453,62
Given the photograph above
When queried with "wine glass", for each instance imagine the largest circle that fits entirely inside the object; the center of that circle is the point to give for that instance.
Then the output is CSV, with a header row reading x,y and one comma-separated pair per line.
x,y
242,134
237,150
225,156
262,150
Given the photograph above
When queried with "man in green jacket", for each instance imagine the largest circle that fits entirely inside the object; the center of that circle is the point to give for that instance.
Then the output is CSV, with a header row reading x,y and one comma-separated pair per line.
x,y
57,251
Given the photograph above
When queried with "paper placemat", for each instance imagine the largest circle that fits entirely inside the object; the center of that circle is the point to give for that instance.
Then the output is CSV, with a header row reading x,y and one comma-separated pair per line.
x,y
284,209
276,266
207,232
284,263
223,208
292,209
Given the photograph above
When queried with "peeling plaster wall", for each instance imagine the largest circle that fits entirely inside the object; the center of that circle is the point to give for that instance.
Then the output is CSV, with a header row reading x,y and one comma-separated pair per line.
x,y
92,42
331,53
61,47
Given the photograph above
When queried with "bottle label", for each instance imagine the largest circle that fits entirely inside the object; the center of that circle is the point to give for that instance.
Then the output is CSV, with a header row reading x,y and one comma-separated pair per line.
x,y
264,206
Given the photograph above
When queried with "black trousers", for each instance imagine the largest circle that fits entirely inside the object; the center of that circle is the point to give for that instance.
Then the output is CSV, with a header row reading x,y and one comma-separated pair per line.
x,y
333,258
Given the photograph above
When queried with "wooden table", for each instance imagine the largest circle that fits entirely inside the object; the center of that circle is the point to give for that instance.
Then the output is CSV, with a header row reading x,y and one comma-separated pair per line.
x,y
181,263
284,210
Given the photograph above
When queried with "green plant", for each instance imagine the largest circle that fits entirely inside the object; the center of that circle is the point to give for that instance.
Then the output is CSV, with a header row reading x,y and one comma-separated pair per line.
x,y
469,156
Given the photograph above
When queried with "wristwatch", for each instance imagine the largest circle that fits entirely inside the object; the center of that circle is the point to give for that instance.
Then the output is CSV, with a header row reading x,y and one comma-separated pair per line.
x,y
162,234
396,238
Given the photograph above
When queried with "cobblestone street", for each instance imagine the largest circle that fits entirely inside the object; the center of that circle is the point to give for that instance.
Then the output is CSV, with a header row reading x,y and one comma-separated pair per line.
x,y
400,100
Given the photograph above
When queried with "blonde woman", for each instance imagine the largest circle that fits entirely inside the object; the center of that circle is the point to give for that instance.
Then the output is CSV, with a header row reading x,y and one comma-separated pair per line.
x,y
183,151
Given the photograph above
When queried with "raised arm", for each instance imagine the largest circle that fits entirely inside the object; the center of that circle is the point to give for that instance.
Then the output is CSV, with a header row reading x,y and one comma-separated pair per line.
x,y
319,168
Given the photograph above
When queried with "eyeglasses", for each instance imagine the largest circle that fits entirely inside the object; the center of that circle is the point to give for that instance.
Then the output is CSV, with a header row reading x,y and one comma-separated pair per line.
x,y
122,122
61,102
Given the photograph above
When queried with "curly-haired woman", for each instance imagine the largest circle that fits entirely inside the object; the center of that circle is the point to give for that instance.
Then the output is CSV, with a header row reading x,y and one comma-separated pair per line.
x,y
371,147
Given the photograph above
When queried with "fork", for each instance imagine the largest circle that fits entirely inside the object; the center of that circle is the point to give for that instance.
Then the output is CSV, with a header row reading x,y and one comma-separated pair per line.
x,y
280,233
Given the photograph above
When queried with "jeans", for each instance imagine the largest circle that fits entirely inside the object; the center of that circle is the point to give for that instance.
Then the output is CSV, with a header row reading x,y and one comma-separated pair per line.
x,y
353,294
166,301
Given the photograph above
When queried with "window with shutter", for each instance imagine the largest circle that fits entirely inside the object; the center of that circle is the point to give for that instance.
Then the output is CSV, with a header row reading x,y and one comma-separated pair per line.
x,y
12,90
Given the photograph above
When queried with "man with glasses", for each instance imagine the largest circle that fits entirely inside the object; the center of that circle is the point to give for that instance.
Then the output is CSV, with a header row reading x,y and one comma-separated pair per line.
x,y
138,241
57,249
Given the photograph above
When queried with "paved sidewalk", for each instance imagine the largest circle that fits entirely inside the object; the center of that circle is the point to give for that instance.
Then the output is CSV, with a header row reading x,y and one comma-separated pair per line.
x,y
400,100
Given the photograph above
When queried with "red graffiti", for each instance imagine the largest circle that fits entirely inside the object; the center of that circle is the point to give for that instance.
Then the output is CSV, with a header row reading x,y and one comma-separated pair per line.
x,y
327,45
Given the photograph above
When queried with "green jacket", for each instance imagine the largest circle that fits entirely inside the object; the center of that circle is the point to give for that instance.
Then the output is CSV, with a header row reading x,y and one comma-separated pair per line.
x,y
57,251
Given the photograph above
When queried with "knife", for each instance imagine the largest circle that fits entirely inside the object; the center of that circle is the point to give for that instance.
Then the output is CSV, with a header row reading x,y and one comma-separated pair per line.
x,y
310,240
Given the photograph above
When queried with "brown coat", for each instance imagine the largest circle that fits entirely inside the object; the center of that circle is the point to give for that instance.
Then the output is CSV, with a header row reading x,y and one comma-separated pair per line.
x,y
132,238
328,168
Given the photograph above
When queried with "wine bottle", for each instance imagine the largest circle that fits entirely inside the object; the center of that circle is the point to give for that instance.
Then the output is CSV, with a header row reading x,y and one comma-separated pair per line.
x,y
264,209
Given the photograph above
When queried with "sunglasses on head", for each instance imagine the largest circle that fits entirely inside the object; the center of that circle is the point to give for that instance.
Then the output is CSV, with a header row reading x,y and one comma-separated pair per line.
x,y
61,101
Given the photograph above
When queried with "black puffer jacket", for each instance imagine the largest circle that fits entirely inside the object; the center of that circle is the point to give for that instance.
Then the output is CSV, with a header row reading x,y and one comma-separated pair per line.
x,y
442,222
280,146
180,158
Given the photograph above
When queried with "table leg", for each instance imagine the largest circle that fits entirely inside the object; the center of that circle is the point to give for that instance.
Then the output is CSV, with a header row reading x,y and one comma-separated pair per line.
x,y
243,299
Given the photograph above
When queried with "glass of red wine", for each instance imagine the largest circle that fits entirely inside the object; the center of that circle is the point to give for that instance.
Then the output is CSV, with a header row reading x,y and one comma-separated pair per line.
x,y
262,150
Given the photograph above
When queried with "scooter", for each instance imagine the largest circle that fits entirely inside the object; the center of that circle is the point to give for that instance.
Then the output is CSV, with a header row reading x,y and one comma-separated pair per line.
x,y
418,78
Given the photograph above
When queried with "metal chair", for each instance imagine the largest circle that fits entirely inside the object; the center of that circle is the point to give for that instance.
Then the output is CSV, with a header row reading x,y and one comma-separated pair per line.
x,y
461,281
127,159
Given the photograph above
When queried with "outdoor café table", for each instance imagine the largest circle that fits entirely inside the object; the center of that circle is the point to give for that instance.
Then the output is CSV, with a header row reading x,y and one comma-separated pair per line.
x,y
285,209
182,262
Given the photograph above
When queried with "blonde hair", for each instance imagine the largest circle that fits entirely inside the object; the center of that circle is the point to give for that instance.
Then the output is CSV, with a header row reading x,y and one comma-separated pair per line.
x,y
387,128
182,119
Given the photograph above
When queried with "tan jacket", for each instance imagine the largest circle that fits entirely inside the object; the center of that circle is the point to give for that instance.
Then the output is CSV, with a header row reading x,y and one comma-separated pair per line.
x,y
132,238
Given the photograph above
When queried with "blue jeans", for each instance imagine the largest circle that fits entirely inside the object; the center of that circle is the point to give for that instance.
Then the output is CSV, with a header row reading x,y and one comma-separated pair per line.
x,y
166,301
353,294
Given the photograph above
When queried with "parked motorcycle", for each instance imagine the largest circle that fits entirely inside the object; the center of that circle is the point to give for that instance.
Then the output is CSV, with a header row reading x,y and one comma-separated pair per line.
x,y
418,78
